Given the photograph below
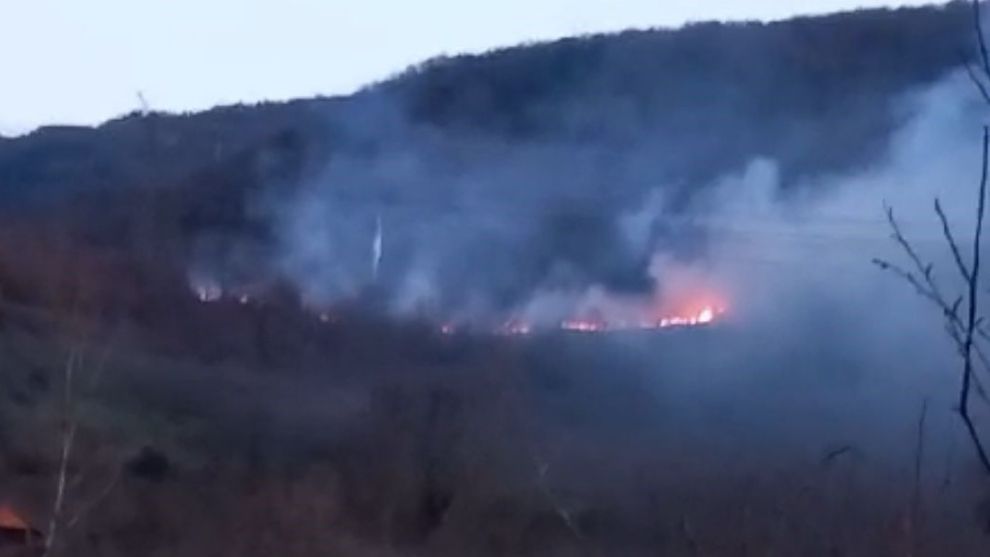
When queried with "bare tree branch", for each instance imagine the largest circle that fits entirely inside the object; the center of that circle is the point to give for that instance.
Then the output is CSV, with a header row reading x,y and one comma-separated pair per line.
x,y
928,288
953,246
922,289
971,323
923,279
964,333
954,326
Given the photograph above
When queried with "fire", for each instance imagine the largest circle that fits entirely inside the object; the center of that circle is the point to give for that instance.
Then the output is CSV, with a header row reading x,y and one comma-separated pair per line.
x,y
684,298
704,316
689,301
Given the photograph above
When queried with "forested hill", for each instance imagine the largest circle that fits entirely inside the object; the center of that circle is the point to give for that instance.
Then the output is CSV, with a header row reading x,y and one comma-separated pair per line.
x,y
811,92
615,114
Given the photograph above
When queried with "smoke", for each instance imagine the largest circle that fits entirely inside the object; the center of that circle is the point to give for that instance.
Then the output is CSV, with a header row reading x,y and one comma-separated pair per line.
x,y
467,224
817,348
824,346
476,228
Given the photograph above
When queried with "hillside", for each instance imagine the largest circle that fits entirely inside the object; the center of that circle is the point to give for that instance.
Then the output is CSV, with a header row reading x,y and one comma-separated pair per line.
x,y
320,327
548,140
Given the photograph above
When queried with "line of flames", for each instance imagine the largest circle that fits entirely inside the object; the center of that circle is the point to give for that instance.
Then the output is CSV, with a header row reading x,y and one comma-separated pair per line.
x,y
515,327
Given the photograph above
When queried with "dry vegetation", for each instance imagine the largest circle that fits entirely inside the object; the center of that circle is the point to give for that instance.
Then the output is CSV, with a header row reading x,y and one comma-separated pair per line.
x,y
379,439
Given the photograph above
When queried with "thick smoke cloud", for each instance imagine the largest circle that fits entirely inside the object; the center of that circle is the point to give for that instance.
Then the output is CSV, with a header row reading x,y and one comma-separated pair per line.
x,y
476,227
824,347
472,225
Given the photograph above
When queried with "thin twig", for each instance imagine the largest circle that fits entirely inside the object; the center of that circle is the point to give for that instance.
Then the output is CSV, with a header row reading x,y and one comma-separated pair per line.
x,y
830,456
929,289
953,246
954,324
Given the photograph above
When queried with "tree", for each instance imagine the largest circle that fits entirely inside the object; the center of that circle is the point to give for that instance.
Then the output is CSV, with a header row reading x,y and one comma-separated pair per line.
x,y
963,322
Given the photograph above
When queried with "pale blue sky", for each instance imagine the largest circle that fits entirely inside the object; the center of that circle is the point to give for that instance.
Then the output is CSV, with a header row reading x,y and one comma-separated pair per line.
x,y
83,61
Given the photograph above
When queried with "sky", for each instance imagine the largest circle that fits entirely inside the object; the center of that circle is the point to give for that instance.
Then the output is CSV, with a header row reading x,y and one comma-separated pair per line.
x,y
83,62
